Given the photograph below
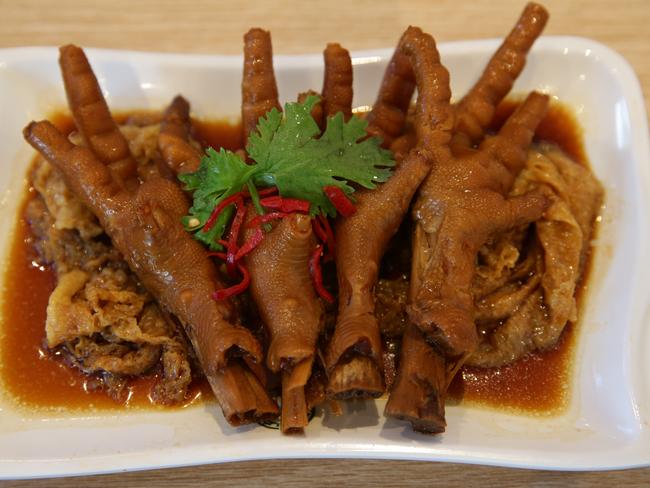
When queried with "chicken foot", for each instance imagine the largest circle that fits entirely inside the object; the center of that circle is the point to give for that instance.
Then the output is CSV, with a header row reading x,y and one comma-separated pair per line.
x,y
459,206
281,286
143,221
354,355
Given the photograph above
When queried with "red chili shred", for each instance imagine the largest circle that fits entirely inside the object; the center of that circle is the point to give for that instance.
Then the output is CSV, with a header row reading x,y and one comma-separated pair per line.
x,y
233,236
240,287
266,218
340,200
282,207
218,209
317,227
263,192
252,242
317,274
331,243
288,205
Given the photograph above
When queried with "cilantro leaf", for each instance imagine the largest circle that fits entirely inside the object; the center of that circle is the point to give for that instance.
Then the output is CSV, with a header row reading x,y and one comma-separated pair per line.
x,y
220,175
278,139
288,153
300,165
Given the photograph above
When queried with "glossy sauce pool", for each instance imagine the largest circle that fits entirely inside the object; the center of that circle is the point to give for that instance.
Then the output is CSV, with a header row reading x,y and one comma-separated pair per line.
x,y
539,383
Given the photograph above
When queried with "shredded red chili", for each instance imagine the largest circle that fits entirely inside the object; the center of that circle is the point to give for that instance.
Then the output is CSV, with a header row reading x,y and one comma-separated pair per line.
x,y
331,243
218,209
340,200
288,205
240,287
252,242
317,274
282,207
263,192
231,248
266,218
323,231
317,227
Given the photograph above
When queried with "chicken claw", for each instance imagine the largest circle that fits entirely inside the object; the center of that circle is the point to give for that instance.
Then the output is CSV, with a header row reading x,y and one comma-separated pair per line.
x,y
460,205
476,109
259,89
354,354
92,116
387,118
177,152
145,227
337,82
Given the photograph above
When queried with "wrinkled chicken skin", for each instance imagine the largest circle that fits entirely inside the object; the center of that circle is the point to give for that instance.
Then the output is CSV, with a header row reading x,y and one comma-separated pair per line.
x,y
387,118
259,89
476,109
143,222
459,206
177,152
284,292
337,82
354,355
337,86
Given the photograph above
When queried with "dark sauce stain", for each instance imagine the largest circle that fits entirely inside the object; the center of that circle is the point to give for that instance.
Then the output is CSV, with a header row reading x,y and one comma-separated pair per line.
x,y
217,134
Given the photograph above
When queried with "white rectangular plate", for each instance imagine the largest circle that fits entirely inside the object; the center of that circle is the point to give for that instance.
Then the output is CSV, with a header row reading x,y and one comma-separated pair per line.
x,y
606,423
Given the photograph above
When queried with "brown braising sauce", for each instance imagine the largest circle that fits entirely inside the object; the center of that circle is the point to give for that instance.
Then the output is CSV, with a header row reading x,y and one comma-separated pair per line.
x,y
34,376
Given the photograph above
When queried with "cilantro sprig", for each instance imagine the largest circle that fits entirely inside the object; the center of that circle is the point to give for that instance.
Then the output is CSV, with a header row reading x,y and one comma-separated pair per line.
x,y
287,152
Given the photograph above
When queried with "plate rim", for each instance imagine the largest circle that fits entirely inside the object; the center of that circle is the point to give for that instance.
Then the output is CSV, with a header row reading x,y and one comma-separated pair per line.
x,y
633,94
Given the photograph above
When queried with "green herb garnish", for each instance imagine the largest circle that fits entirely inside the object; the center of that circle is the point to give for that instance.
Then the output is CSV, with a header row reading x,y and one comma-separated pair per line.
x,y
288,153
